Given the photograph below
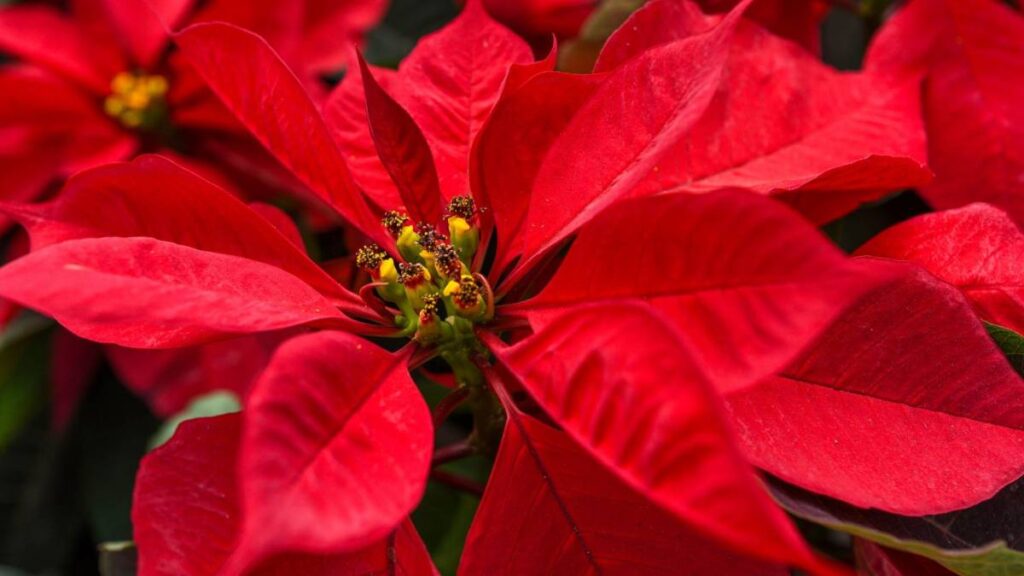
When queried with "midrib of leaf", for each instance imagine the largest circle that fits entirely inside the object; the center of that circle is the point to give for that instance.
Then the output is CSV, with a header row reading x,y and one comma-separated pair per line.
x,y
546,477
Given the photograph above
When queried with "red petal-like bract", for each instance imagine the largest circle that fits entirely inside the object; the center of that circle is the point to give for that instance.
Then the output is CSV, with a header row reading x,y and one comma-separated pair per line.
x,y
43,36
784,123
253,81
345,115
797,20
571,187
745,280
631,393
186,515
972,52
143,25
977,248
904,404
451,96
581,519
154,197
403,150
50,128
510,150
146,293
336,449
169,379
331,28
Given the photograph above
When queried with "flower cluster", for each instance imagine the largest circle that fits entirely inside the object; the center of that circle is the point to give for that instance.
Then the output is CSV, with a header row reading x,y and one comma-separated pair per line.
x,y
614,289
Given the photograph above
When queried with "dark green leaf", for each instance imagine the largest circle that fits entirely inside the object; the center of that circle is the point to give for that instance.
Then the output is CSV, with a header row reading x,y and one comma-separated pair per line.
x,y
23,368
211,404
1010,342
406,22
114,432
985,540
445,514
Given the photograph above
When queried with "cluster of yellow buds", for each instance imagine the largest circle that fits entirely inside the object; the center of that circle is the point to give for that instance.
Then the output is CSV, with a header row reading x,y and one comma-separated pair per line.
x,y
437,295
137,100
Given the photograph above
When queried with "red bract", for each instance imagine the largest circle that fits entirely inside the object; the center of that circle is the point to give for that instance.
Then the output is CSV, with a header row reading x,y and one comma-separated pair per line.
x,y
976,249
623,338
971,54
152,197
853,137
96,84
904,404
541,18
797,20
191,483
582,518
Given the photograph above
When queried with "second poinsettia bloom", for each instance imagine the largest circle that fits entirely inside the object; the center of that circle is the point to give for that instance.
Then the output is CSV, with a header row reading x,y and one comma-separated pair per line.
x,y
98,82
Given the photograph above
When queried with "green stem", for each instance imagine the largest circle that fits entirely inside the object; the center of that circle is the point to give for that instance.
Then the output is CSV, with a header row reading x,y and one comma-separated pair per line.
x,y
488,416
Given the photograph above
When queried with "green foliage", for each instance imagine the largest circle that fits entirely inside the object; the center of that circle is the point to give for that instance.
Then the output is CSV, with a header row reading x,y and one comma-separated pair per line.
x,y
1010,342
112,437
983,540
211,404
24,349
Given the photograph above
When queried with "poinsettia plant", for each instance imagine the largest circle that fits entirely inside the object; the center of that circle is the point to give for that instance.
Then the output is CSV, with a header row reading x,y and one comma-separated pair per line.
x,y
607,287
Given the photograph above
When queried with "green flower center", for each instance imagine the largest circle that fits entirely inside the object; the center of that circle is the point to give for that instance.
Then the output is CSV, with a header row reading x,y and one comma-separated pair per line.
x,y
439,298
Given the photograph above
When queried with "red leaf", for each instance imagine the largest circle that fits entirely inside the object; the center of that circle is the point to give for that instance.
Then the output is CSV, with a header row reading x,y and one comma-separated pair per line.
x,y
317,35
143,25
904,405
403,151
973,54
978,249
169,379
33,96
783,123
796,20
542,18
41,35
509,151
571,187
654,24
582,519
333,27
634,397
146,293
25,179
345,114
449,85
246,73
51,128
281,222
186,515
747,281
336,449
152,196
